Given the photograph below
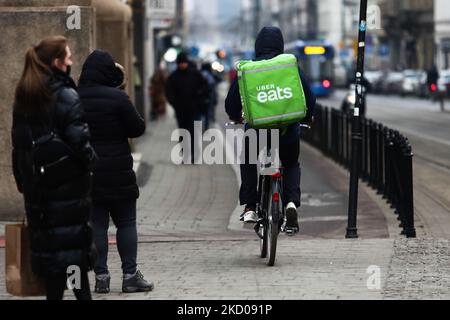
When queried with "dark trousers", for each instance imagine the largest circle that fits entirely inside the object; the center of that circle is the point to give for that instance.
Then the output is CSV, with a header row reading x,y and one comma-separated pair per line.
x,y
187,122
289,155
123,214
57,284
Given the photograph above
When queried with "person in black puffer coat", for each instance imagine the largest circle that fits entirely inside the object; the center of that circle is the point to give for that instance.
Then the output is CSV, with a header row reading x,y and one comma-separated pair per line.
x,y
58,213
112,119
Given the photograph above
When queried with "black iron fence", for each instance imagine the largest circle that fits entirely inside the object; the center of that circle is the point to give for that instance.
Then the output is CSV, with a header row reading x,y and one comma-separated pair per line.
x,y
386,162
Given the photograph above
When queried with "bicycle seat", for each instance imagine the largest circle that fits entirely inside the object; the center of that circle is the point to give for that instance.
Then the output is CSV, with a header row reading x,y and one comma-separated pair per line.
x,y
269,171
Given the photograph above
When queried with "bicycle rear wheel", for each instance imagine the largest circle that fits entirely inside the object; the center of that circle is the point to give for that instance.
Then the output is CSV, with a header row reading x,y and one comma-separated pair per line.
x,y
273,225
263,208
263,239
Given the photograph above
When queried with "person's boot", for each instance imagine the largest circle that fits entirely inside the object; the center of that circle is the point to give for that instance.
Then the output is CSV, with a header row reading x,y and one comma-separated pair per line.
x,y
135,283
102,282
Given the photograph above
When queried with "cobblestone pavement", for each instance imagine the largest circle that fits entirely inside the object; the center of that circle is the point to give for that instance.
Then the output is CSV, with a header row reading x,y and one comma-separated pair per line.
x,y
420,269
177,199
308,269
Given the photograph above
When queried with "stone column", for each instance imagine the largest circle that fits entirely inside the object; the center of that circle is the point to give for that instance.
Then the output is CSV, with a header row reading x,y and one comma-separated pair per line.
x,y
114,31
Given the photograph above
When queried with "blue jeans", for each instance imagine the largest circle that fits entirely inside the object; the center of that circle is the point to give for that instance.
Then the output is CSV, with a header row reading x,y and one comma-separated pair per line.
x,y
123,214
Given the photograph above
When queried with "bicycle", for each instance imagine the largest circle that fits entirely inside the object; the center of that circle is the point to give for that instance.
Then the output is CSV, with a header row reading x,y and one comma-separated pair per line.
x,y
270,209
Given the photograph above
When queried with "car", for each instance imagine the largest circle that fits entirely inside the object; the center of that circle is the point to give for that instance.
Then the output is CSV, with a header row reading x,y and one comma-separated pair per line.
x,y
374,80
411,82
444,82
423,90
392,83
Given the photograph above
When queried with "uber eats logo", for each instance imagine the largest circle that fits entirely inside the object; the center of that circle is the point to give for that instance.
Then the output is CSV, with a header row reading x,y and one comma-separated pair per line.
x,y
270,93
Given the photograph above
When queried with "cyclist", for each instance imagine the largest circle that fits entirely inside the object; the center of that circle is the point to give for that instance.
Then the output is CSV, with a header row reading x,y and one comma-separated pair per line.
x,y
268,45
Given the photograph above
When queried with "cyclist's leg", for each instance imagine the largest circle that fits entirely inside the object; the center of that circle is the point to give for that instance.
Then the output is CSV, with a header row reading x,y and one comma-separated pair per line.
x,y
289,155
248,194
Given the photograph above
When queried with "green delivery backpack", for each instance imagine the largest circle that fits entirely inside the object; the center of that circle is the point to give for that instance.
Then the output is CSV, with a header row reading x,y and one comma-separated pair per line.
x,y
271,92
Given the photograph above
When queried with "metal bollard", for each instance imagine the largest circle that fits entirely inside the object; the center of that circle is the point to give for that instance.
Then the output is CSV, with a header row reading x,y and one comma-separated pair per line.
x,y
394,167
408,192
380,166
373,155
386,158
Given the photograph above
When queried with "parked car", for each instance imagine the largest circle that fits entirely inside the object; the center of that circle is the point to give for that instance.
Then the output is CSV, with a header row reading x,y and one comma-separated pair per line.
x,y
411,82
374,79
392,83
423,90
444,82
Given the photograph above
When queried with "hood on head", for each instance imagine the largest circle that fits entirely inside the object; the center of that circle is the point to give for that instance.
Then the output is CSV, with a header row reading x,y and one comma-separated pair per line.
x,y
100,68
182,58
269,43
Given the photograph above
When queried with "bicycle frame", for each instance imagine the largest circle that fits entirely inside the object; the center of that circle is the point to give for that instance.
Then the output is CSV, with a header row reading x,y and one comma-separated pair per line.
x,y
270,208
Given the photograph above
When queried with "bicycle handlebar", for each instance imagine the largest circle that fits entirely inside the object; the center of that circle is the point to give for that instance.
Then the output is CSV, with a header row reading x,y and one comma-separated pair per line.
x,y
234,123
305,125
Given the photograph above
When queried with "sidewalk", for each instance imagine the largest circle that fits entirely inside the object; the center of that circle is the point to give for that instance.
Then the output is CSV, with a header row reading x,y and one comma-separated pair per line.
x,y
308,269
192,245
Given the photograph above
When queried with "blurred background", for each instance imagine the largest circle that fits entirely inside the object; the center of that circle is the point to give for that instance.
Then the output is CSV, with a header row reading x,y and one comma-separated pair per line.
x,y
407,39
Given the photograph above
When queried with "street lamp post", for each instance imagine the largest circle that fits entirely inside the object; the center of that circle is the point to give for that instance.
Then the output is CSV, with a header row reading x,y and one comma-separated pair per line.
x,y
352,231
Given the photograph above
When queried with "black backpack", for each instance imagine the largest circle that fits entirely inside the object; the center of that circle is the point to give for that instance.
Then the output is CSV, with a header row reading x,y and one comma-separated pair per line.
x,y
53,161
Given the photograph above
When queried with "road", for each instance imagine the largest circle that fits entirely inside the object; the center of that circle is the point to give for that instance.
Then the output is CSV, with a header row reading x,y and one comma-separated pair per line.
x,y
428,130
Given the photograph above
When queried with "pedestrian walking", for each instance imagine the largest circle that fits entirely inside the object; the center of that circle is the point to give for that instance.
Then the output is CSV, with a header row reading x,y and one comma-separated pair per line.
x,y
113,120
52,162
268,45
432,80
157,93
186,91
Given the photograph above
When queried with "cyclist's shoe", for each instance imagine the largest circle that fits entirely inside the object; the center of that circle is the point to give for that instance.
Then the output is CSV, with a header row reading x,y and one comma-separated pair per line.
x,y
135,283
249,215
102,283
292,226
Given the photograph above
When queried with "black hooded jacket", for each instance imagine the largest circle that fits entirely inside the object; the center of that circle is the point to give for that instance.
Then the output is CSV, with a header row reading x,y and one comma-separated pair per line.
x,y
186,90
57,215
112,120
269,44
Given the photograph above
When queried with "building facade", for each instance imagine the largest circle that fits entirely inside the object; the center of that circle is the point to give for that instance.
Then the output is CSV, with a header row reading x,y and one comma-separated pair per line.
x,y
104,24
409,33
332,20
442,33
